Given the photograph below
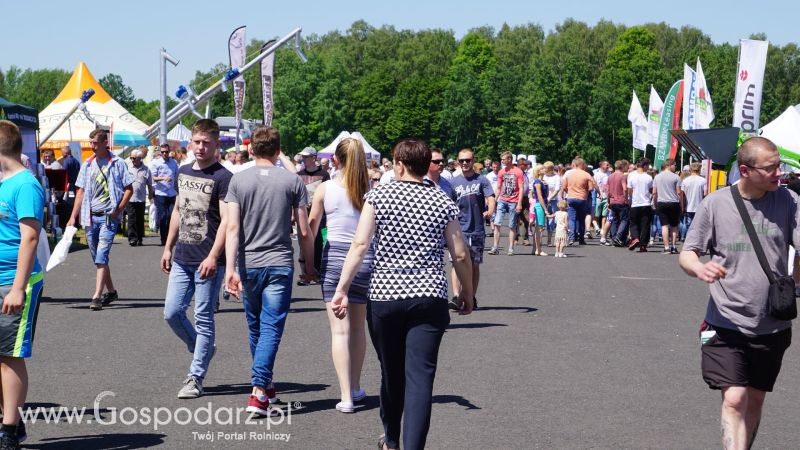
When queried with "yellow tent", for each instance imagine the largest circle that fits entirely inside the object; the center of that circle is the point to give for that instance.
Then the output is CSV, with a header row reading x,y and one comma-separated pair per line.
x,y
104,109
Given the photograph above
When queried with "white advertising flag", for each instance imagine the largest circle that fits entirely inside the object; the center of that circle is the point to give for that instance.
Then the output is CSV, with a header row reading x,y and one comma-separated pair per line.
x,y
689,99
236,51
749,85
654,117
267,69
704,113
638,123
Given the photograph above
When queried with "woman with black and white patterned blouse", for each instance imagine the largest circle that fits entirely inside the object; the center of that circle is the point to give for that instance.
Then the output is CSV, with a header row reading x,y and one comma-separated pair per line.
x,y
407,311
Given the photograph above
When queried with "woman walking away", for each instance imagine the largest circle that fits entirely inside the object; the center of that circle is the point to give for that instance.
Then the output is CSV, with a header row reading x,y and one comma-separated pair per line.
x,y
407,311
341,200
562,228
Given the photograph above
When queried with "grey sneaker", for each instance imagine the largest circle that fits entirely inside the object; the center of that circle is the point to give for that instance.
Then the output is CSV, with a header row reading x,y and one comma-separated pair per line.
x,y
510,252
494,251
192,388
96,304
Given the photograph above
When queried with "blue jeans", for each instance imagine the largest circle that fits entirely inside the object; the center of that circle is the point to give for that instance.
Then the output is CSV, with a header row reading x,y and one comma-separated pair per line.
x,y
577,210
619,225
99,237
185,282
164,206
503,208
552,207
266,305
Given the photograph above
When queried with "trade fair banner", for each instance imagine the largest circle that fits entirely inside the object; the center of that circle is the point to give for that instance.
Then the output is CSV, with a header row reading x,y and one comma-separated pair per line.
x,y
689,98
267,69
670,119
704,114
654,117
236,52
638,123
749,85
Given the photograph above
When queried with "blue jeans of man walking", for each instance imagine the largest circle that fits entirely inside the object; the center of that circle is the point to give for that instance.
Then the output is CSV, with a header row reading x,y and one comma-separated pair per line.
x,y
577,211
619,226
164,206
268,293
185,282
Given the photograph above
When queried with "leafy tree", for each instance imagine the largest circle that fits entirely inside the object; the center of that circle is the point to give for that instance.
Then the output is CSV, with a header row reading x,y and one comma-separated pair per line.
x,y
118,90
36,88
632,64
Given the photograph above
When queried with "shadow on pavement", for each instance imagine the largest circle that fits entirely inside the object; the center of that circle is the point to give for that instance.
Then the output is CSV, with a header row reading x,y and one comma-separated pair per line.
x,y
115,441
475,325
457,399
283,389
144,303
329,404
302,310
305,299
525,309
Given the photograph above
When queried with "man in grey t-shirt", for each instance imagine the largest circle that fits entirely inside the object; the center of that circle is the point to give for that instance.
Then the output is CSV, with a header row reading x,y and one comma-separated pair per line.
x,y
261,200
742,346
668,206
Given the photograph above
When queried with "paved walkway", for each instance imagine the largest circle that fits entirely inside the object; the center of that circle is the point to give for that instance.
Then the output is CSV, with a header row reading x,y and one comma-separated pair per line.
x,y
598,350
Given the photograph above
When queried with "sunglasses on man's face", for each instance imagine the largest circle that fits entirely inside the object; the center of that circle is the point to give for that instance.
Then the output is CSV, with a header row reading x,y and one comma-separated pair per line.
x,y
464,161
437,161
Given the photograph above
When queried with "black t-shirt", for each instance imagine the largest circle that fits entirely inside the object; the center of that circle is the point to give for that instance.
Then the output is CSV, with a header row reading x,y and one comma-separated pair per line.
x,y
200,192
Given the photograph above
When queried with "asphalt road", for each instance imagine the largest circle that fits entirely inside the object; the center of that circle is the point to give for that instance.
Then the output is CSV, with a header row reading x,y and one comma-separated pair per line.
x,y
597,350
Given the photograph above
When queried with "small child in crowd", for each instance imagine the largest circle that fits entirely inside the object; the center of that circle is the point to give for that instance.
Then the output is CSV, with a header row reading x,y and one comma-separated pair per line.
x,y
562,228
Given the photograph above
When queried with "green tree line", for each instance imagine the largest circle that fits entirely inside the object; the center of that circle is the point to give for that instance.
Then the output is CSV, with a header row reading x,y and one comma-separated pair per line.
x,y
554,94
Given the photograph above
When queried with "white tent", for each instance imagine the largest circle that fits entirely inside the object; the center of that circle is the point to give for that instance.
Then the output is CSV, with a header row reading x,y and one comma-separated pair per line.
x,y
180,133
370,152
104,109
784,131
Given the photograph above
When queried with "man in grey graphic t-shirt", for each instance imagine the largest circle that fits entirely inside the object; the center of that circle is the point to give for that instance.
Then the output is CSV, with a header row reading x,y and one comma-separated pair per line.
x,y
742,345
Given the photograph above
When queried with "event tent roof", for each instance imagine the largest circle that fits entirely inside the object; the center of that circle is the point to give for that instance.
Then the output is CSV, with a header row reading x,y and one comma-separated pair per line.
x,y
370,152
784,131
23,116
101,106
180,133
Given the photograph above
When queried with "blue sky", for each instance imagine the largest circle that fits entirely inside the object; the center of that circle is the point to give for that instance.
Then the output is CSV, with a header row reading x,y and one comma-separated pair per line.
x,y
124,37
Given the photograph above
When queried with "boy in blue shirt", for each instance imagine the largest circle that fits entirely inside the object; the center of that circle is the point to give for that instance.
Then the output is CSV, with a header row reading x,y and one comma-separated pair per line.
x,y
21,278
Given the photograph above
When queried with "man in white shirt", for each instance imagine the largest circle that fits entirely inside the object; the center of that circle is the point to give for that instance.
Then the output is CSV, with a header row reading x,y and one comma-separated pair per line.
x,y
640,185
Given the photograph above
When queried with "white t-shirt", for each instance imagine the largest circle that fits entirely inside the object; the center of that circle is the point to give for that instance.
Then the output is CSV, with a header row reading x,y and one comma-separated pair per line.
x,y
601,180
492,177
641,184
693,188
553,183
387,177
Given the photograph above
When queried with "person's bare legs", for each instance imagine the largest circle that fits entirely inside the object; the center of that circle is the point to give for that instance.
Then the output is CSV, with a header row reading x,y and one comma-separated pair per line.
x,y
740,417
358,342
102,280
340,351
674,235
512,236
14,382
496,235
537,239
456,284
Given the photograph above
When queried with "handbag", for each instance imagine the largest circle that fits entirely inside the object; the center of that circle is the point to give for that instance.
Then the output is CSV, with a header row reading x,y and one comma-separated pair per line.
x,y
781,301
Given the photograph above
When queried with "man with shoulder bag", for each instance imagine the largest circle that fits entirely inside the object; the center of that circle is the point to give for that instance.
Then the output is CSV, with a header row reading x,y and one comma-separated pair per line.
x,y
746,230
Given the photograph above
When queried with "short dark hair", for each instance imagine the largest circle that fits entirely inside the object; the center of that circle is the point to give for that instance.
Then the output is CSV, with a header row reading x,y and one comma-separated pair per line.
x,y
413,153
749,150
667,163
98,132
207,126
265,142
10,140
643,163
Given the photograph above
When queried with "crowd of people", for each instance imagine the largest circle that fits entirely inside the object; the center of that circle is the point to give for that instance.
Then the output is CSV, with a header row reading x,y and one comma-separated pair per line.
x,y
374,236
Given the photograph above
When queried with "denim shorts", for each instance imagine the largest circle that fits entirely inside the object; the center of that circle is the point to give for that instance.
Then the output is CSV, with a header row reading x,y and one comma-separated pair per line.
x,y
99,237
503,208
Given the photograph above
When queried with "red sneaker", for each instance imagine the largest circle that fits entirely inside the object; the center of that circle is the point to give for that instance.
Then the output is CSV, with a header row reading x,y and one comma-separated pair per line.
x,y
633,244
256,406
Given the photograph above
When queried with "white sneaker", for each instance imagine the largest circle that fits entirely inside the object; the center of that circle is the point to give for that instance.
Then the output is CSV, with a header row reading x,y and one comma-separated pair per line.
x,y
345,407
192,388
358,395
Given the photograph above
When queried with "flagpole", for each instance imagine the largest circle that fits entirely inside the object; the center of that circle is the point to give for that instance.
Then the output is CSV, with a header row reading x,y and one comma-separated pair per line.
x,y
736,76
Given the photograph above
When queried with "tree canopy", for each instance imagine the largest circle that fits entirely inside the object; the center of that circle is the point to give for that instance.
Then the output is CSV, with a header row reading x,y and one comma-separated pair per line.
x,y
518,88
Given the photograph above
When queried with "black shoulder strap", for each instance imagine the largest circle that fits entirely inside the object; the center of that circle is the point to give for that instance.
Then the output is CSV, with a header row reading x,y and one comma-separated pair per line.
x,y
751,231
